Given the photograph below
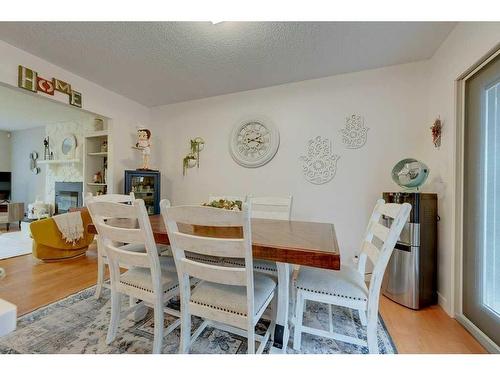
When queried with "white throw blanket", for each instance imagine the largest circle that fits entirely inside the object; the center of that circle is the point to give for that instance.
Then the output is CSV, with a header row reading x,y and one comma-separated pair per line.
x,y
70,225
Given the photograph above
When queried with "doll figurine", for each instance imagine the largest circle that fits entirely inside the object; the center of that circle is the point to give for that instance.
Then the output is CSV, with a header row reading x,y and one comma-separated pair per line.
x,y
144,144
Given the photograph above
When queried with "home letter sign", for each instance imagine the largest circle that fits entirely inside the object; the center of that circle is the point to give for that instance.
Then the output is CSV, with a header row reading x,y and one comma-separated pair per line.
x,y
27,79
30,80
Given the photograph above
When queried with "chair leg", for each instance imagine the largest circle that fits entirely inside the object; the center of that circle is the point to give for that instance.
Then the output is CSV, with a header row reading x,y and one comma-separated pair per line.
x,y
299,312
158,331
115,316
274,313
101,268
185,332
371,333
251,338
362,317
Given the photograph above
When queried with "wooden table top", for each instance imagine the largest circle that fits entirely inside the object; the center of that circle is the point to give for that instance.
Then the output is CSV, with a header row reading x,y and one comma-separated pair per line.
x,y
296,242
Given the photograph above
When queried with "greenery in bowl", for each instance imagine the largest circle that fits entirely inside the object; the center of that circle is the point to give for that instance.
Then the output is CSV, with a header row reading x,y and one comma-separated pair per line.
x,y
225,204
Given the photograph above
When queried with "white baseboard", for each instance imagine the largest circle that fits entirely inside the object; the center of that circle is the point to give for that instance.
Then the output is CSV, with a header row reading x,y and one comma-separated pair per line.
x,y
443,302
484,340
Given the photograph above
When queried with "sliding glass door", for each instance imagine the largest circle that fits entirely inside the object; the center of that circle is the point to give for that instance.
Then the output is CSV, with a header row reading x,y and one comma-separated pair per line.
x,y
481,221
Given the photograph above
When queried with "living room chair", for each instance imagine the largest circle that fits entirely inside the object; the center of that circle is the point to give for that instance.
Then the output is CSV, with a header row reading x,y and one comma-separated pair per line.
x,y
49,245
145,279
347,287
229,298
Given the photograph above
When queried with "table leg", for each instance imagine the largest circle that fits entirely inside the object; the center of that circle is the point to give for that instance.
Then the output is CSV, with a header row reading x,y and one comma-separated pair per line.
x,y
281,332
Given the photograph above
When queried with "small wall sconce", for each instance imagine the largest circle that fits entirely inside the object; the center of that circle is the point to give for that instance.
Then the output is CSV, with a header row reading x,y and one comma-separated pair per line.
x,y
193,158
436,129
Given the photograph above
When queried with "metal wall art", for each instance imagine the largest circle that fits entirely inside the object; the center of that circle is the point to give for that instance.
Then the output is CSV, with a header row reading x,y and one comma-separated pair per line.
x,y
355,132
33,165
320,164
436,129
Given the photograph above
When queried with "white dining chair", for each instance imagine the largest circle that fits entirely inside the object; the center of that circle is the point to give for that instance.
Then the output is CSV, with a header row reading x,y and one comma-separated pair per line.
x,y
229,298
347,287
102,260
145,280
276,208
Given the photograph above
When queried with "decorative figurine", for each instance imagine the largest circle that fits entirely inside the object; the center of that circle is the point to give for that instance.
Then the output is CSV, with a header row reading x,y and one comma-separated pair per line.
x,y
436,132
46,151
97,178
144,144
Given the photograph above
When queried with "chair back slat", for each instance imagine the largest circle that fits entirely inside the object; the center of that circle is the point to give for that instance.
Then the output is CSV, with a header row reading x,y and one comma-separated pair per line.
x,y
380,231
206,216
277,208
130,258
112,210
233,248
371,251
113,198
213,273
390,209
124,235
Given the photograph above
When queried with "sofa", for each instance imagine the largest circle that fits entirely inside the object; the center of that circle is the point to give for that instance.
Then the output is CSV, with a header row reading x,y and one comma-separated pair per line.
x,y
48,244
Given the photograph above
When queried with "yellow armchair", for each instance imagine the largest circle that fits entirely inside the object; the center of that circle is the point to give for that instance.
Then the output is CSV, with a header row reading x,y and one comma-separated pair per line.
x,y
48,244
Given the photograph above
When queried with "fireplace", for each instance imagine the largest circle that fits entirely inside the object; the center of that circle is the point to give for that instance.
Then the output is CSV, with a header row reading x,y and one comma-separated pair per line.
x,y
68,195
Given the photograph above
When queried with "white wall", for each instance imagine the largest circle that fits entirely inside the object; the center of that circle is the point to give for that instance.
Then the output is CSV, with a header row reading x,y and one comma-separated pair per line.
x,y
5,146
26,186
125,113
464,47
392,101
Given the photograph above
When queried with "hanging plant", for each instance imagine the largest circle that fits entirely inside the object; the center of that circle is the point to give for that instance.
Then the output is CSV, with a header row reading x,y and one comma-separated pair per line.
x,y
193,158
187,162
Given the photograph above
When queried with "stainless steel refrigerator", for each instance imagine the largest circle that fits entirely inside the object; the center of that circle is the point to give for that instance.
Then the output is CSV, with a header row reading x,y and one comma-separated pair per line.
x,y
411,275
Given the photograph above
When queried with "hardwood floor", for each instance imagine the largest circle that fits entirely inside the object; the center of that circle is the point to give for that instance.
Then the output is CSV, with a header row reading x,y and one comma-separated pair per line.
x,y
31,284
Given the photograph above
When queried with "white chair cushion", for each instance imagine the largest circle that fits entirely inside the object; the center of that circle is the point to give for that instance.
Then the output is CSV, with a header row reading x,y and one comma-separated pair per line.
x,y
140,248
231,298
346,283
141,278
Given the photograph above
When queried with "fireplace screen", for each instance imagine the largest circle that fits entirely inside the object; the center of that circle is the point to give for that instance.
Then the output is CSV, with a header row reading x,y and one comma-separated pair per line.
x,y
68,195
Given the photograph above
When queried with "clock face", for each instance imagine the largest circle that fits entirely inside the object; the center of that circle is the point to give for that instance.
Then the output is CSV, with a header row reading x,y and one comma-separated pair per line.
x,y
253,143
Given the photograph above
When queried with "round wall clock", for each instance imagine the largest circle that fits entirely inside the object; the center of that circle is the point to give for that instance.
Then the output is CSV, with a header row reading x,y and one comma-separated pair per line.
x,y
254,143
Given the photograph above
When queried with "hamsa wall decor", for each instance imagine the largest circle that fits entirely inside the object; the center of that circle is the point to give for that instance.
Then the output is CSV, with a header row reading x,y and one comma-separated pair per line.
x,y
355,132
320,163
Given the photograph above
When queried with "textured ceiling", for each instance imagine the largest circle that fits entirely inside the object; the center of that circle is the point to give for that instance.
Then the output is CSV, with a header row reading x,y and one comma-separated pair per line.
x,y
167,62
22,110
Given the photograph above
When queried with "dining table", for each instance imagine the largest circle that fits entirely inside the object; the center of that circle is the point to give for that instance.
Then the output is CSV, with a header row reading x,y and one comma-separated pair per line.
x,y
286,242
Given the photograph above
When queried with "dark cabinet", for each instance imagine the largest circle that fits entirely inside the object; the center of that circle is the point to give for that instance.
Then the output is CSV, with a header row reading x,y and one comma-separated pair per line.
x,y
145,185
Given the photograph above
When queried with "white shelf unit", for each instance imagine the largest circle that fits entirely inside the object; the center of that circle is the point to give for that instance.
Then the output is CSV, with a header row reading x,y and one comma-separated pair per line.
x,y
95,160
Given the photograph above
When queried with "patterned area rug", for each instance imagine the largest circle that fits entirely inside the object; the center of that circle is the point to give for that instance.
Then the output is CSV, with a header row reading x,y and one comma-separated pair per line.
x,y
78,324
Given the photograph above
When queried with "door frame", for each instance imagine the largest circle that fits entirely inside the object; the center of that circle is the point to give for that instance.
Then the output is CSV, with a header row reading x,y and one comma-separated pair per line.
x,y
459,199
